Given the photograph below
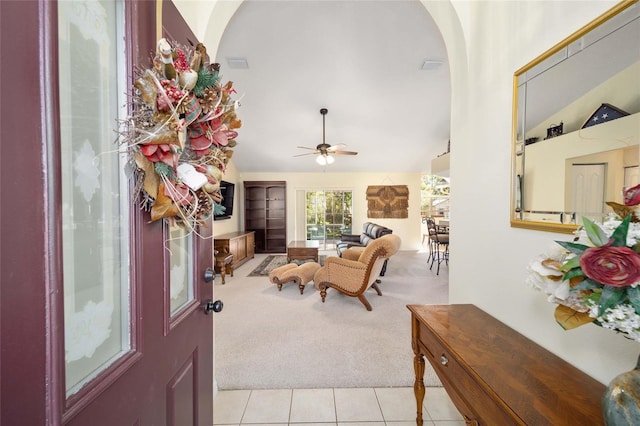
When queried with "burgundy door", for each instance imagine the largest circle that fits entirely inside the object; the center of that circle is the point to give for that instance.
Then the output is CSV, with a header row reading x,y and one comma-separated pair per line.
x,y
102,318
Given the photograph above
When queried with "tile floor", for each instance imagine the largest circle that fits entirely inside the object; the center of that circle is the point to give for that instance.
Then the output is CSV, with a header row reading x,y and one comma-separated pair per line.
x,y
339,406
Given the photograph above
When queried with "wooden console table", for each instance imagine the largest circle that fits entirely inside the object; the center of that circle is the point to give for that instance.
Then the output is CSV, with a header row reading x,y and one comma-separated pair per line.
x,y
496,376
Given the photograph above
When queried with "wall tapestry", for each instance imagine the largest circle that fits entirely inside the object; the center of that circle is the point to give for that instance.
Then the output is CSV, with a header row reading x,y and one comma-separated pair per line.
x,y
388,201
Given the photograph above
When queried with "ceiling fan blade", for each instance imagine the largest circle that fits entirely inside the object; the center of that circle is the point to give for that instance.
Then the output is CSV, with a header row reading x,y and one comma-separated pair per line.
x,y
306,147
336,147
306,153
344,152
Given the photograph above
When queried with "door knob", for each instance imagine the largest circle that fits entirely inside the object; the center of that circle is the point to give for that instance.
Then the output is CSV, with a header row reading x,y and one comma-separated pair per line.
x,y
212,306
209,275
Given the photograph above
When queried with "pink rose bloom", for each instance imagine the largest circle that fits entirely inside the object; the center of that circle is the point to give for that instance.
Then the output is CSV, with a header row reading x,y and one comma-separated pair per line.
x,y
614,266
632,196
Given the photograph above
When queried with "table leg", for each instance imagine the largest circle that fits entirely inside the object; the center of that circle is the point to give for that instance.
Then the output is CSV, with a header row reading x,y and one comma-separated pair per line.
x,y
418,386
222,272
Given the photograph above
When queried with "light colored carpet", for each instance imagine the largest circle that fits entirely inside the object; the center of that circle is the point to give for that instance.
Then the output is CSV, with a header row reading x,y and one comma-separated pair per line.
x,y
270,339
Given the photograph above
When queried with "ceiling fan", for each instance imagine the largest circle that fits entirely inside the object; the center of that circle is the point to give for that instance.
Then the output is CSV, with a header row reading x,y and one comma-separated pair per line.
x,y
325,151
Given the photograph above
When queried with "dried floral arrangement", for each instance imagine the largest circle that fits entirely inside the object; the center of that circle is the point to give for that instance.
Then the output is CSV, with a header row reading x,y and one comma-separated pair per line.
x,y
180,134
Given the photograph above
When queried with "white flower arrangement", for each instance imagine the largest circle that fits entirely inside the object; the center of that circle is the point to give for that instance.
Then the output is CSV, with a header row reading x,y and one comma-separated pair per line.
x,y
595,278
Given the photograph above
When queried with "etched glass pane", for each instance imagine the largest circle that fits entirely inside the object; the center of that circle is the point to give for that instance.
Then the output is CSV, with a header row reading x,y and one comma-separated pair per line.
x,y
95,230
180,268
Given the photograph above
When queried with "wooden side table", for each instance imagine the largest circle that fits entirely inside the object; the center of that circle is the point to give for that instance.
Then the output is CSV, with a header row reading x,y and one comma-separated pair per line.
x,y
303,250
224,264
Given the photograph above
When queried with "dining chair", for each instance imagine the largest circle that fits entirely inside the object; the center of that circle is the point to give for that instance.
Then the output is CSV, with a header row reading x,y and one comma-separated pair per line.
x,y
438,245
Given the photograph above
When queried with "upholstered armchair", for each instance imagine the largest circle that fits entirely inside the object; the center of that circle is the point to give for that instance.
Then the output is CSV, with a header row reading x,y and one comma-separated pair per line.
x,y
357,270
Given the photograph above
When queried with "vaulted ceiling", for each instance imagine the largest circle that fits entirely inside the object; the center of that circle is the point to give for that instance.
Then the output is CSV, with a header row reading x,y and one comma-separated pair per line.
x,y
379,67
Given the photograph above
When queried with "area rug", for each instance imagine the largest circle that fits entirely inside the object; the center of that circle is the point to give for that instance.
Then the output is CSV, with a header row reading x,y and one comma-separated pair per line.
x,y
271,262
270,339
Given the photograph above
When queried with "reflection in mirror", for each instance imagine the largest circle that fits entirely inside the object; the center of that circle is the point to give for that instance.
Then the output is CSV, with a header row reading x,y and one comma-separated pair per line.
x,y
576,124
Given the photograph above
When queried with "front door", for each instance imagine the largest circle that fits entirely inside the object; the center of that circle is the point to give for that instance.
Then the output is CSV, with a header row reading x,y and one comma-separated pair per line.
x,y
102,313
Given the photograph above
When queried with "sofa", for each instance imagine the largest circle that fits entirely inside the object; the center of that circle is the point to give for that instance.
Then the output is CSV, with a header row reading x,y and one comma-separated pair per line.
x,y
370,231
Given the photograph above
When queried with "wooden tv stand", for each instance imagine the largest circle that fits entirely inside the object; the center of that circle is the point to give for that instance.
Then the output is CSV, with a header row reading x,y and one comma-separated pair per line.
x,y
240,244
496,376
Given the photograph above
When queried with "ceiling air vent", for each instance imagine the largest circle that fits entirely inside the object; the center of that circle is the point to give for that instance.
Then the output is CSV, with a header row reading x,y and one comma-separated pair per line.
x,y
238,63
431,64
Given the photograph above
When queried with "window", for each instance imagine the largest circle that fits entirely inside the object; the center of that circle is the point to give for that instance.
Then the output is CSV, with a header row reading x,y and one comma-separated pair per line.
x,y
434,194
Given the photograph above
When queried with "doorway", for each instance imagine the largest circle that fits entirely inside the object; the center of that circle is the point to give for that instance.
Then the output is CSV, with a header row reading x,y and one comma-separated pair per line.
x,y
588,183
327,216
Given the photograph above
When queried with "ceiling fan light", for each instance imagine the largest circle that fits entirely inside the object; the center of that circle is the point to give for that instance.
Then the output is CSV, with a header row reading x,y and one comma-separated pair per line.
x,y
330,159
321,160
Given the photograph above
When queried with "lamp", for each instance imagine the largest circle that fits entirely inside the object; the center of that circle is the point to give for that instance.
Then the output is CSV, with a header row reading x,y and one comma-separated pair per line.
x,y
325,159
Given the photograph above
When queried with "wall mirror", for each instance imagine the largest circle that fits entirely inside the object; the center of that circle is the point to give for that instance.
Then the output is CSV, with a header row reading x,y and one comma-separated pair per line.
x,y
576,120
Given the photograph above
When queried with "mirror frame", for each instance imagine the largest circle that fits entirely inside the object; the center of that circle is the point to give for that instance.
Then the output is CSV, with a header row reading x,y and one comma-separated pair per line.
x,y
537,225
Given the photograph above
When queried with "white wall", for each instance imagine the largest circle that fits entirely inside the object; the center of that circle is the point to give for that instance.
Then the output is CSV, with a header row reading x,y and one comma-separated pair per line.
x,y
488,257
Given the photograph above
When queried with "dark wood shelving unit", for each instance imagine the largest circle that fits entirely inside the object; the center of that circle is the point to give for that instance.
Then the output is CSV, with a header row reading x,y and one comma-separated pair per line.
x,y
265,213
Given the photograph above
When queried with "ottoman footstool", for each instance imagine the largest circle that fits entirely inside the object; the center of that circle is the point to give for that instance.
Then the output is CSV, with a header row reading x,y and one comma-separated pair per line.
x,y
291,272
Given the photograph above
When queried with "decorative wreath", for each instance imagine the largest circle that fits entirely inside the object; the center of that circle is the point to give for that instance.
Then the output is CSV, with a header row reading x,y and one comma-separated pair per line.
x,y
180,134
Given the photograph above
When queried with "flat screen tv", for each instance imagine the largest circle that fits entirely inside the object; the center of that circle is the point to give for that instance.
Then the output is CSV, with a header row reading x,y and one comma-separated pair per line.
x,y
227,190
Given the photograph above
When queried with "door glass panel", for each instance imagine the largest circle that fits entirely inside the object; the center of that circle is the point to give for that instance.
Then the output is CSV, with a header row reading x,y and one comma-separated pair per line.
x,y
95,233
328,215
181,283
